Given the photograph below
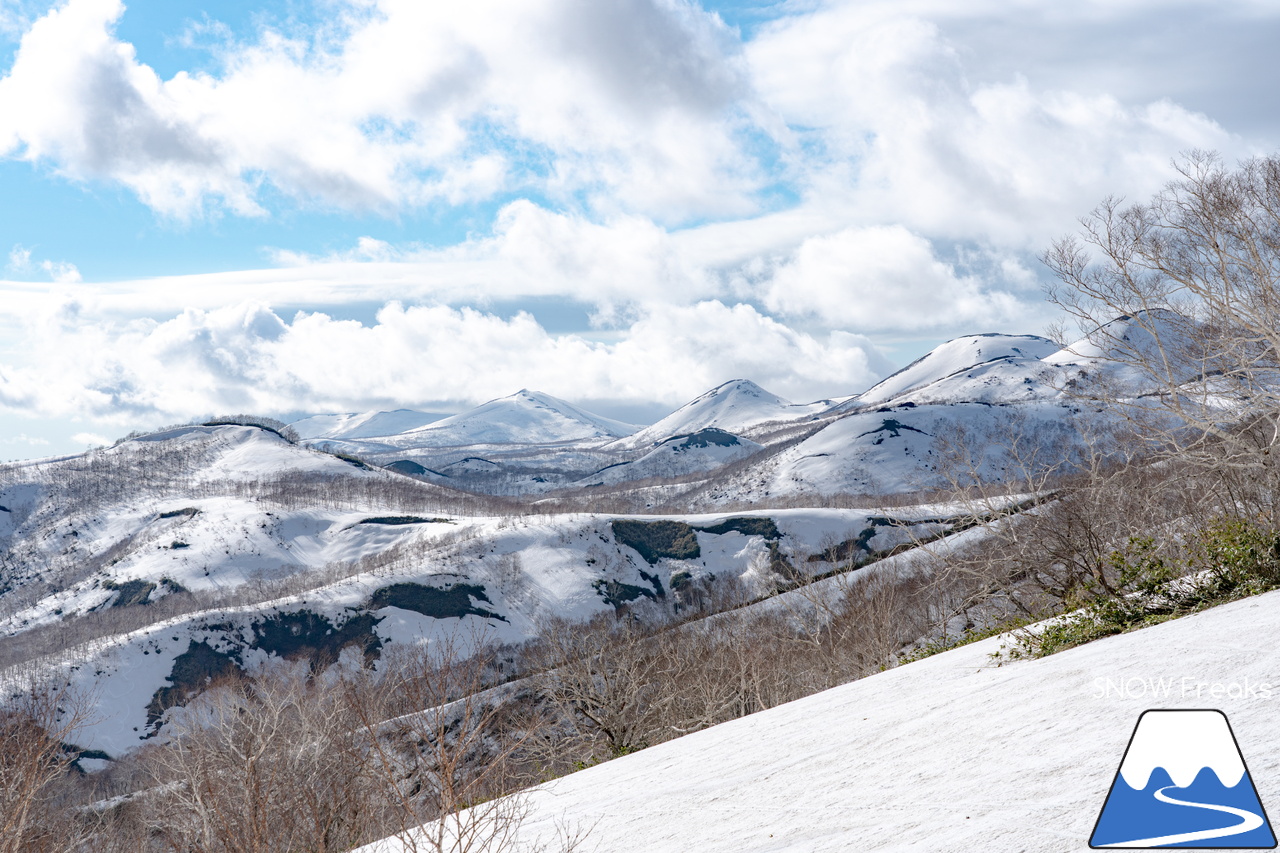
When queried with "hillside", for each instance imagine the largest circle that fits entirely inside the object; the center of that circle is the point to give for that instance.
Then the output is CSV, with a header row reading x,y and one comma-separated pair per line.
x,y
525,417
364,424
238,547
733,407
952,753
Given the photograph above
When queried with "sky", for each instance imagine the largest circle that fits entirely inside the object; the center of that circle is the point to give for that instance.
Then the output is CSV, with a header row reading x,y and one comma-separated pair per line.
x,y
309,206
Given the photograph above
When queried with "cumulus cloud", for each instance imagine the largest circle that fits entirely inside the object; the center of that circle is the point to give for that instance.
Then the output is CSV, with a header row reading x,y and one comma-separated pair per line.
x,y
412,103
247,358
896,130
883,278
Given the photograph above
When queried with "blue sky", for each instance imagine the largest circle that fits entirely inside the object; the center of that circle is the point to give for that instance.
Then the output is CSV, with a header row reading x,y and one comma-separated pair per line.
x,y
342,205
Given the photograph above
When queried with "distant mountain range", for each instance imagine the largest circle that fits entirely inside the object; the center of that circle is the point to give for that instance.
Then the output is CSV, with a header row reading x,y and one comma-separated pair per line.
x,y
884,440
155,565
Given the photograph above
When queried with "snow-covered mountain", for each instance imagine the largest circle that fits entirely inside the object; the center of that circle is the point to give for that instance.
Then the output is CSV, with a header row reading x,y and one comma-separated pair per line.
x,y
175,557
525,417
975,357
364,424
903,434
698,452
733,407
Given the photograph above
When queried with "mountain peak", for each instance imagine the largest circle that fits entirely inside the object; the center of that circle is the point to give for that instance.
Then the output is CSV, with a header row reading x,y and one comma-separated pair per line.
x,y
525,417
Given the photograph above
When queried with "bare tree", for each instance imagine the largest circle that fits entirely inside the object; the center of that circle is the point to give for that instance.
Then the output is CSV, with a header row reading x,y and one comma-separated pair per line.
x,y
1196,273
264,763
448,762
602,678
36,728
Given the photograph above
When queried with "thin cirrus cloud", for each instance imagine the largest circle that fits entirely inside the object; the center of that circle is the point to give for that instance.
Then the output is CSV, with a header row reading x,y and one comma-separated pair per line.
x,y
776,202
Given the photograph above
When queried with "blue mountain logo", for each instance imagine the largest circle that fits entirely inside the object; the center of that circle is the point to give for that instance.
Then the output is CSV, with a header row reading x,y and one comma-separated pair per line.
x,y
1183,783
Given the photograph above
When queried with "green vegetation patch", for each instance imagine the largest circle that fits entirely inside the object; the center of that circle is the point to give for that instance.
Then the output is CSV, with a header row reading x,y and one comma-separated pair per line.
x,y
349,459
1229,560
654,540
616,593
403,519
710,436
746,525
304,634
131,592
407,466
850,549
192,672
453,602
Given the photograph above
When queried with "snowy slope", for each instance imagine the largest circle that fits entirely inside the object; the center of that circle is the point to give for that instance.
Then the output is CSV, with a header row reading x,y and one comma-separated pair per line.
x,y
526,417
199,510
732,407
704,450
1155,336
908,448
949,754
364,424
379,579
958,357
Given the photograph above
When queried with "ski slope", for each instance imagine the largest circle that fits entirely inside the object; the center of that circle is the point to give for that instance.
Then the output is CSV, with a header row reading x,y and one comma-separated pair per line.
x,y
952,753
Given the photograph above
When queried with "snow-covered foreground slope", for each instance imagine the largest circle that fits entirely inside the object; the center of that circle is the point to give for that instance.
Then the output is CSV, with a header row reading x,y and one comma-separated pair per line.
x,y
952,753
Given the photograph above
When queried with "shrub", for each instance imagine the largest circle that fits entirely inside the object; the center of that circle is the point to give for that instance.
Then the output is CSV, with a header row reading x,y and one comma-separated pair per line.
x,y
1228,559
654,540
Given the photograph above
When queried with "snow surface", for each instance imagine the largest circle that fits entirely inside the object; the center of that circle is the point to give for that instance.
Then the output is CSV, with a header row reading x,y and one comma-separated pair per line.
x,y
704,450
364,424
733,407
526,417
956,357
951,753
528,569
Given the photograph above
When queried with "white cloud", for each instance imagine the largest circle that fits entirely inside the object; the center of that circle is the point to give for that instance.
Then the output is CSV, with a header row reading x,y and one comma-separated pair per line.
x,y
895,131
19,259
629,103
884,278
61,272
246,358
91,439
933,148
